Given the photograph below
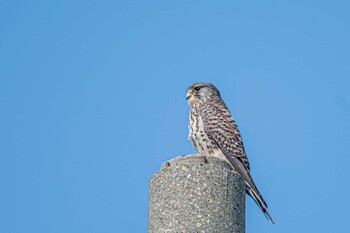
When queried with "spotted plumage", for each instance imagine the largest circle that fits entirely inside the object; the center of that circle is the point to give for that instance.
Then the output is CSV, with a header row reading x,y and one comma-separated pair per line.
x,y
213,132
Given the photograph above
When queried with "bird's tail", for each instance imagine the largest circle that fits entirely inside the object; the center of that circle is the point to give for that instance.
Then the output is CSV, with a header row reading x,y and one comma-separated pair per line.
x,y
253,191
251,188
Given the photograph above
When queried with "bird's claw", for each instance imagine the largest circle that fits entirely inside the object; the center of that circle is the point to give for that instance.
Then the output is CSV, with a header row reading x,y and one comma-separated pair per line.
x,y
203,160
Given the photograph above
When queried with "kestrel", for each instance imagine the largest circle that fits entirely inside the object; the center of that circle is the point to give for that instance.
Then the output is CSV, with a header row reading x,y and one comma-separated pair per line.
x,y
213,132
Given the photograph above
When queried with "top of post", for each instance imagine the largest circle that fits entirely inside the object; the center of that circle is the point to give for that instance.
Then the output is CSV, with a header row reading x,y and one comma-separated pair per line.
x,y
194,159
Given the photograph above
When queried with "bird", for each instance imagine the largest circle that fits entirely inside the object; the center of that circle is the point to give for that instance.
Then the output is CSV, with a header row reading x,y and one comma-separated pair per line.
x,y
214,132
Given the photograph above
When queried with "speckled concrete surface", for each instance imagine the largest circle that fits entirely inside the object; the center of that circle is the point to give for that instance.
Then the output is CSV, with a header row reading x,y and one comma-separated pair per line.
x,y
190,197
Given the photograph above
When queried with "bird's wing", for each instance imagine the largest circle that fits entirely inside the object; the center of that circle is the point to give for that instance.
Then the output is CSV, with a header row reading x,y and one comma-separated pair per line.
x,y
221,128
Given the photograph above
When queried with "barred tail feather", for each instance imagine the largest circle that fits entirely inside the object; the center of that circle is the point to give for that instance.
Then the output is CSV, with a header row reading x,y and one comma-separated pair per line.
x,y
251,189
259,201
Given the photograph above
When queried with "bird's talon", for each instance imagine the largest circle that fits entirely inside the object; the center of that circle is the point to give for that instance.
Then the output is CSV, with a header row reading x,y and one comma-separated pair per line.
x,y
203,160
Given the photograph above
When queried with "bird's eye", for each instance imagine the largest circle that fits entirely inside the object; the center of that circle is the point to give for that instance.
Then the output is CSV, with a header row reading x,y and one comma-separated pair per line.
x,y
197,88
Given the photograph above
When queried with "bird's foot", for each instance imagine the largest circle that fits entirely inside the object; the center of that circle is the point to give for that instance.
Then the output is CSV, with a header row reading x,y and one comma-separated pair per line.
x,y
203,160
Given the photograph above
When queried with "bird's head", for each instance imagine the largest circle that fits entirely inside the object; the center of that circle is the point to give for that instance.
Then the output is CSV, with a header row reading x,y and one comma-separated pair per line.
x,y
201,92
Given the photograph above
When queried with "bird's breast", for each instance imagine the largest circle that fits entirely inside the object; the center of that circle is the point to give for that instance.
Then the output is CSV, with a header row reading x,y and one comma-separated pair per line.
x,y
201,141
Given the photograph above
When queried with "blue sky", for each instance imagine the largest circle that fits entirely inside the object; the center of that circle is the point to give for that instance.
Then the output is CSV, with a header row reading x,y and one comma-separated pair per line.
x,y
92,99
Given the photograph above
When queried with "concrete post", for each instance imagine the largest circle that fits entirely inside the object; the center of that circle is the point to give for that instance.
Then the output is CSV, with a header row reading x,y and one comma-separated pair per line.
x,y
186,196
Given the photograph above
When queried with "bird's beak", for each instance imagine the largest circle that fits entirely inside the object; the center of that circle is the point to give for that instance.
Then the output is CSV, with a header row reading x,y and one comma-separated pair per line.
x,y
189,94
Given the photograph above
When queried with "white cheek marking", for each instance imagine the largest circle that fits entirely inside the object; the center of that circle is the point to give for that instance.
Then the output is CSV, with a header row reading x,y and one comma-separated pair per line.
x,y
191,100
